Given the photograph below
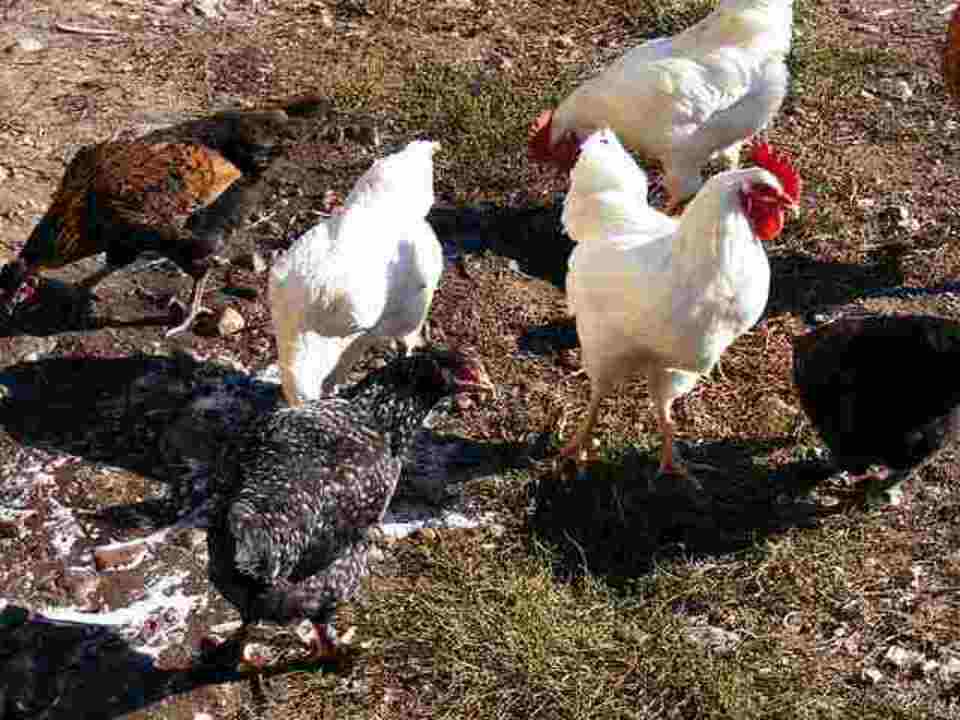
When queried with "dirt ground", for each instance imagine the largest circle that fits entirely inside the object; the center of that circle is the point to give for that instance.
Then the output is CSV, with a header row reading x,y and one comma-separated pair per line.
x,y
83,447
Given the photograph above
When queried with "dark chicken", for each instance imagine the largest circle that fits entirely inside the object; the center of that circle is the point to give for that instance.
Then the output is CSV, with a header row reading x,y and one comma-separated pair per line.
x,y
289,540
180,191
842,372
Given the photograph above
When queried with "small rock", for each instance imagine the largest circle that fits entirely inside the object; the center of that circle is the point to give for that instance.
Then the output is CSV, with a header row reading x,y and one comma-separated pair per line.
x,y
230,322
872,675
902,658
720,641
209,9
26,44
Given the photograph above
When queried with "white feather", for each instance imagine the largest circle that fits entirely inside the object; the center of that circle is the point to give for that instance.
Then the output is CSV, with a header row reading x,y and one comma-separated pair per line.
x,y
683,99
649,291
366,274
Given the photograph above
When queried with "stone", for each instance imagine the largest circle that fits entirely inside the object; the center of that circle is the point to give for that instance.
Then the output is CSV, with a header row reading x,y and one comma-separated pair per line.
x,y
209,9
27,44
230,322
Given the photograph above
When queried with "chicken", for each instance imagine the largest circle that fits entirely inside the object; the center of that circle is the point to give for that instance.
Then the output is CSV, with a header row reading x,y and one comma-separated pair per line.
x,y
682,99
180,191
951,56
664,295
366,274
289,540
841,370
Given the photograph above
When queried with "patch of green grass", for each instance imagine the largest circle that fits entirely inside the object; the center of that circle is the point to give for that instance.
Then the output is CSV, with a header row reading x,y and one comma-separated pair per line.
x,y
480,630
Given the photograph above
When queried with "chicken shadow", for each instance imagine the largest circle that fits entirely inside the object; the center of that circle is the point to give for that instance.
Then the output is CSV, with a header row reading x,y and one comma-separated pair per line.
x,y
62,308
61,671
138,413
801,284
617,519
439,465
121,412
798,284
532,236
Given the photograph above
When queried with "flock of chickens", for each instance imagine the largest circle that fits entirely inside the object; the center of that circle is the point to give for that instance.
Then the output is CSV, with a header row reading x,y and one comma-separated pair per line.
x,y
660,292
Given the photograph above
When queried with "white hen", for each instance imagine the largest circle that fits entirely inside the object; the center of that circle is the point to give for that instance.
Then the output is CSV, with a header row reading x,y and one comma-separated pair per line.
x,y
366,274
664,295
682,99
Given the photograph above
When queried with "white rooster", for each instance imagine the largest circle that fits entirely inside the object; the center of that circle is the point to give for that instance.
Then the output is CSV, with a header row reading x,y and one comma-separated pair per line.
x,y
664,295
366,274
682,99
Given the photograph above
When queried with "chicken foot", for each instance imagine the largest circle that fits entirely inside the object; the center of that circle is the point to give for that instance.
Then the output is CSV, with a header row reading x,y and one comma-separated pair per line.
x,y
572,448
195,297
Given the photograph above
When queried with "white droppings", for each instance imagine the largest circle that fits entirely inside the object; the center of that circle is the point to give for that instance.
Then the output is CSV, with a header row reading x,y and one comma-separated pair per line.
x,y
403,519
150,624
63,528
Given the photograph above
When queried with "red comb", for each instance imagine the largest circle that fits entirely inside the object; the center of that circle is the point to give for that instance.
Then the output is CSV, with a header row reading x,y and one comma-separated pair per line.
x,y
763,155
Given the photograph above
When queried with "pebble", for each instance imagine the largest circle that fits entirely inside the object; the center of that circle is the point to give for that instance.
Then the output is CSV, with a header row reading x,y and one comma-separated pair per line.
x,y
26,44
230,322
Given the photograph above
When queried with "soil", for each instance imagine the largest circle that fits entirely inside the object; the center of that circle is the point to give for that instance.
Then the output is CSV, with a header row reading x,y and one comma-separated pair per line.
x,y
92,396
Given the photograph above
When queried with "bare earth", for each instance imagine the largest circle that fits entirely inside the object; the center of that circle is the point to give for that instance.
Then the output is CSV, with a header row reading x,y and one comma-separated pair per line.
x,y
92,427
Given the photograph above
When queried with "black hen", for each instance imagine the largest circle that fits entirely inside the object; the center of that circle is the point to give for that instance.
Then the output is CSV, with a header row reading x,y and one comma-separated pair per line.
x,y
289,540
881,390
179,191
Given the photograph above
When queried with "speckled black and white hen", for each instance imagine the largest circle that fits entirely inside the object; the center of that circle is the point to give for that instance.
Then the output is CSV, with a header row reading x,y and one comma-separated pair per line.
x,y
289,540
881,390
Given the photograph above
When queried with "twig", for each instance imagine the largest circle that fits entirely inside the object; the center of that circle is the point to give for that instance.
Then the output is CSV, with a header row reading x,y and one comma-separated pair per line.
x,y
80,30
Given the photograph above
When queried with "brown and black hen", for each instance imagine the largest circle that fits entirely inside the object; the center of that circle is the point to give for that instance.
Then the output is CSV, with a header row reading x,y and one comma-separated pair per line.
x,y
180,191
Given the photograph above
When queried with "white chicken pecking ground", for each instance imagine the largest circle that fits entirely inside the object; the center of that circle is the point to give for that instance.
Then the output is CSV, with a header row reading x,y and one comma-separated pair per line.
x,y
662,295
365,275
682,99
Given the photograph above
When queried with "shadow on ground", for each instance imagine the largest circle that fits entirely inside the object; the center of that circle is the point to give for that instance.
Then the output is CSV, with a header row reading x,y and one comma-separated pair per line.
x,y
616,519
61,671
533,237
